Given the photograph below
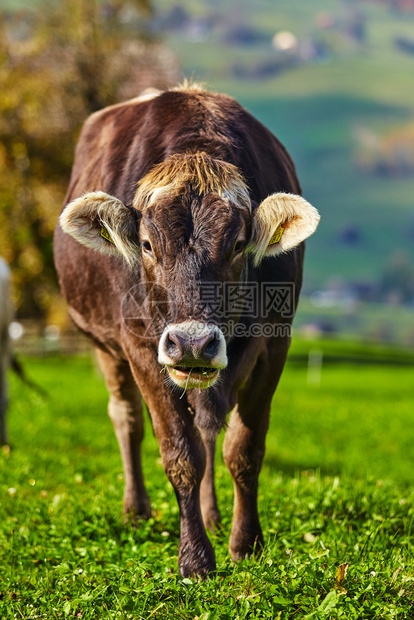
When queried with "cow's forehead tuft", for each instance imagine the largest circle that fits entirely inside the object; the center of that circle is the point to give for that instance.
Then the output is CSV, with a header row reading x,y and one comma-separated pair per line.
x,y
197,171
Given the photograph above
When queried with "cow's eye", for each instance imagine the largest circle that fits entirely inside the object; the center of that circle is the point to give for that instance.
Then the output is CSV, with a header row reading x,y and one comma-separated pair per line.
x,y
147,248
238,248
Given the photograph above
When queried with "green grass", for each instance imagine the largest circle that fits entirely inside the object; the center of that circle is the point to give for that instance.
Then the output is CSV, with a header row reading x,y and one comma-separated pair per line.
x,y
335,487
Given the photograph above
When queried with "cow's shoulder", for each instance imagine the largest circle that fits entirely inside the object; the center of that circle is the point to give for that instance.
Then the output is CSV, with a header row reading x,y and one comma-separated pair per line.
x,y
102,116
103,143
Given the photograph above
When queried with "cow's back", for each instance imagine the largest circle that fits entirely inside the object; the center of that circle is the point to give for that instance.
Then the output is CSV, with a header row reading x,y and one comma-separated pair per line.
x,y
120,144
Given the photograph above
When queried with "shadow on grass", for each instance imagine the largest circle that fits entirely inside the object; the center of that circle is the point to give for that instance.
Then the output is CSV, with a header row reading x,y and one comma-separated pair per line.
x,y
295,467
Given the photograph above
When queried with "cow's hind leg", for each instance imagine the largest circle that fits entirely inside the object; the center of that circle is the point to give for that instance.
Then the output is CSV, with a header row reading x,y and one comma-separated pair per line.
x,y
125,411
243,450
208,499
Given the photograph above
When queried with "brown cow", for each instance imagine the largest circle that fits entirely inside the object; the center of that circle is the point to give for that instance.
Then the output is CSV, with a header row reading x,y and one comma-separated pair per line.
x,y
190,201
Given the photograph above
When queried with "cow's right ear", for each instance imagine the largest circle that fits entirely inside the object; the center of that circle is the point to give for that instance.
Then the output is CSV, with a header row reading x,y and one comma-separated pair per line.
x,y
104,224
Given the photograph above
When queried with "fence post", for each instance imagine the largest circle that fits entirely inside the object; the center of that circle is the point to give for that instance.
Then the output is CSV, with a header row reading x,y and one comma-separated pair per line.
x,y
315,361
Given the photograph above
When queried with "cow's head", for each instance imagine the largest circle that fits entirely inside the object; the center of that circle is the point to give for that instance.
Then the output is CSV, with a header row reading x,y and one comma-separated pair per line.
x,y
190,229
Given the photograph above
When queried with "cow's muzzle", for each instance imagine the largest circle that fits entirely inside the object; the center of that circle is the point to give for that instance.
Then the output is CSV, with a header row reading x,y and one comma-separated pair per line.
x,y
193,353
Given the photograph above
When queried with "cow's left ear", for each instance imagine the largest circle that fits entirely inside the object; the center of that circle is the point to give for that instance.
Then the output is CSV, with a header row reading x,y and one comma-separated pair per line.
x,y
104,224
280,223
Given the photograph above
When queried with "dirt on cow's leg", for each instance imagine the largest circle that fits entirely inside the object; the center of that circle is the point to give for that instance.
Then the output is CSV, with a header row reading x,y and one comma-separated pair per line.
x,y
125,411
244,448
208,499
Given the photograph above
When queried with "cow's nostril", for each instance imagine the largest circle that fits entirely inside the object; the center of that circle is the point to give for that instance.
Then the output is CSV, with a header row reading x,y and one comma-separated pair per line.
x,y
212,347
173,346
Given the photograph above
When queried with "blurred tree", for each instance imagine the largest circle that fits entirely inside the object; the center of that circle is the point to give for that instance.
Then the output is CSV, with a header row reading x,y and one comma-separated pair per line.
x,y
57,65
390,154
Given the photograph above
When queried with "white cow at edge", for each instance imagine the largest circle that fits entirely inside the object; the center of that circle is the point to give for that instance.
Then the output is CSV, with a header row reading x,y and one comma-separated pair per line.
x,y
5,318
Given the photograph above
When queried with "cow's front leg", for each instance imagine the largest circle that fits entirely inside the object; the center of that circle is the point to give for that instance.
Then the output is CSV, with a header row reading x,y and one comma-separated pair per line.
x,y
243,451
125,411
184,467
183,457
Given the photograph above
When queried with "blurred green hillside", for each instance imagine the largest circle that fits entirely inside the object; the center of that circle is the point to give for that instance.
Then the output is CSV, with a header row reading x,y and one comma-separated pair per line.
x,y
334,113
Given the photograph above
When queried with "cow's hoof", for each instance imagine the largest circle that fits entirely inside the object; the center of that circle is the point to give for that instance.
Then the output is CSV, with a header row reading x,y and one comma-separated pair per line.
x,y
245,545
197,561
137,509
211,518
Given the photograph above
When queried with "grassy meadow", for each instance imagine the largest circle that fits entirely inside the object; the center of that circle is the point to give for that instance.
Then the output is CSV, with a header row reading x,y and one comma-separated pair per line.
x,y
336,488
